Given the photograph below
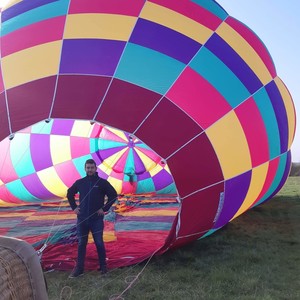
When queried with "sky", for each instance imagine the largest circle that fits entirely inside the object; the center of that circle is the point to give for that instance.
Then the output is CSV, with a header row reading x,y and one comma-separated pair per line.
x,y
277,23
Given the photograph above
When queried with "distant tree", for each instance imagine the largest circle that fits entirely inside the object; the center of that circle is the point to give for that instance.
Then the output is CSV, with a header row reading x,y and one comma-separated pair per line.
x,y
295,169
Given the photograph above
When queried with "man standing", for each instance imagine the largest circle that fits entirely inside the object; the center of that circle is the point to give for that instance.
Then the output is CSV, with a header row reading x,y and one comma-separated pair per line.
x,y
90,213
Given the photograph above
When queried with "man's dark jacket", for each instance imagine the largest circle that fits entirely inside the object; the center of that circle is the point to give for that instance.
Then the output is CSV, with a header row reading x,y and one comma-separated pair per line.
x,y
92,190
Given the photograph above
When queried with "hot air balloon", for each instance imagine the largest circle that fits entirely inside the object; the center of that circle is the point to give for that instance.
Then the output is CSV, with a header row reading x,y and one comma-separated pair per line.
x,y
182,78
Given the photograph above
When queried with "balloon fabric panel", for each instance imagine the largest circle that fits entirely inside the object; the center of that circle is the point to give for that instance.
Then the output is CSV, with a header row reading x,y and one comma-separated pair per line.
x,y
40,151
10,173
64,170
281,174
99,26
139,66
36,187
17,41
198,98
163,40
176,21
255,132
71,92
254,189
207,161
135,104
39,61
171,132
272,168
89,56
280,113
30,95
265,107
254,42
202,219
230,144
287,169
192,11
290,109
125,7
225,81
21,15
234,62
245,51
18,189
234,195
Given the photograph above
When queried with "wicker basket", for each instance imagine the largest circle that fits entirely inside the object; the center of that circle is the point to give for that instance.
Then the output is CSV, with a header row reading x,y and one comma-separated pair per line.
x,y
21,276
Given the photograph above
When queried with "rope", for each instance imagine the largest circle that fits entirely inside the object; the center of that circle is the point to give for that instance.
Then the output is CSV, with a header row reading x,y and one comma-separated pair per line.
x,y
131,282
65,293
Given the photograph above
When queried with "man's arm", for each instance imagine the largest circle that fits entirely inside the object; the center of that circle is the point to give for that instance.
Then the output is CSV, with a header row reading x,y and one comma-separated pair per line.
x,y
71,195
111,195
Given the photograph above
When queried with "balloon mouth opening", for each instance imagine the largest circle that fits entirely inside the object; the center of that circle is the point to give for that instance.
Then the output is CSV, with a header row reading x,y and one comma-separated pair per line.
x,y
47,157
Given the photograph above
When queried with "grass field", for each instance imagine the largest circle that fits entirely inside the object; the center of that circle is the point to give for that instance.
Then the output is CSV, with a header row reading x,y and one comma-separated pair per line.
x,y
257,256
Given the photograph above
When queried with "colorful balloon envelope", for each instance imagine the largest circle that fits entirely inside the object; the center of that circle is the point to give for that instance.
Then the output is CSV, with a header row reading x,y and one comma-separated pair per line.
x,y
181,78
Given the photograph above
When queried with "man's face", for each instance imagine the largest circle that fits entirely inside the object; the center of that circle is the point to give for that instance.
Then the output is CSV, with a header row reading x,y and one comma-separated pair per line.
x,y
90,169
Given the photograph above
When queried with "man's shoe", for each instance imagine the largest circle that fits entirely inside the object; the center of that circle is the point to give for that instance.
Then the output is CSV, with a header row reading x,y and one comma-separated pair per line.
x,y
103,271
76,273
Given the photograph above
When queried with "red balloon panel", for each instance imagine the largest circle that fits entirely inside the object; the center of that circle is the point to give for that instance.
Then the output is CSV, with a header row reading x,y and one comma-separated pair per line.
x,y
193,174
35,98
163,130
133,104
78,97
200,210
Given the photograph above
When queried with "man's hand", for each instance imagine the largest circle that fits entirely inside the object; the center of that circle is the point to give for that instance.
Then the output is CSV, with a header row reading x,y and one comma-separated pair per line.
x,y
100,212
77,210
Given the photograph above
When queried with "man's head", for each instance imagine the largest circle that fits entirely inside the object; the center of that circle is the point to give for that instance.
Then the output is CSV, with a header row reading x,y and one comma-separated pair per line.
x,y
90,167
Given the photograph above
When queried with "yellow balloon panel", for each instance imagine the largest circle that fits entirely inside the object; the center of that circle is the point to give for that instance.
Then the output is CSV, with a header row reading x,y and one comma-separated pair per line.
x,y
176,21
32,63
99,26
229,141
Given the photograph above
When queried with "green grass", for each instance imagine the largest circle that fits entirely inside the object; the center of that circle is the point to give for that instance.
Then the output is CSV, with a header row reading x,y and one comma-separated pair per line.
x,y
257,256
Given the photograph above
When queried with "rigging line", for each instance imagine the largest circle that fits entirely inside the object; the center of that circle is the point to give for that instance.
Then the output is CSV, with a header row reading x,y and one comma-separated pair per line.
x,y
54,221
21,158
110,281
53,224
57,75
64,222
115,71
65,293
58,229
119,296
